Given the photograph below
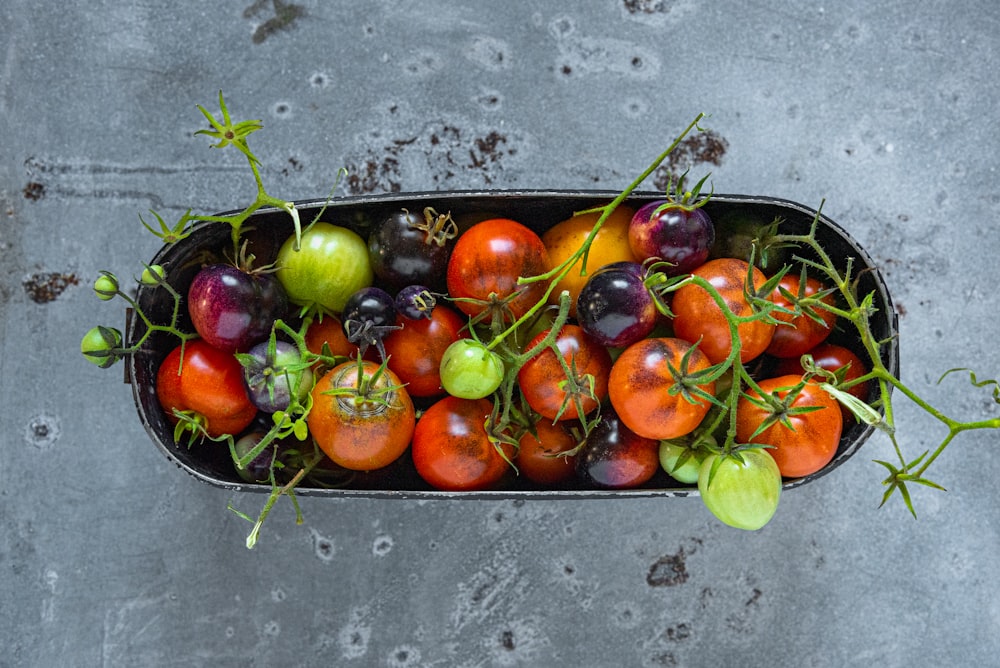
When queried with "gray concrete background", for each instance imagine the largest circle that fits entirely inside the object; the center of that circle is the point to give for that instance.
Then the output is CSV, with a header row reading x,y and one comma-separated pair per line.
x,y
109,556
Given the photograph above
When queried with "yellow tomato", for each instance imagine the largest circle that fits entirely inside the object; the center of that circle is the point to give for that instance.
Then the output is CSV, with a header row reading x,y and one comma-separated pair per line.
x,y
611,245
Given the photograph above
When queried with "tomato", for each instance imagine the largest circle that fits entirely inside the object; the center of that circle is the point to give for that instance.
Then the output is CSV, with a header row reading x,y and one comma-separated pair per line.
x,y
364,428
415,350
643,388
812,441
487,261
544,382
681,462
273,377
832,357
406,247
209,384
329,330
451,449
801,333
470,370
234,309
542,459
331,265
610,245
615,457
741,492
697,316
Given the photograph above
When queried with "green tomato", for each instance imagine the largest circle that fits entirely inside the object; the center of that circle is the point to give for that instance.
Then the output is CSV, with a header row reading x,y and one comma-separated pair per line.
x,y
681,462
100,340
331,265
741,494
469,370
106,286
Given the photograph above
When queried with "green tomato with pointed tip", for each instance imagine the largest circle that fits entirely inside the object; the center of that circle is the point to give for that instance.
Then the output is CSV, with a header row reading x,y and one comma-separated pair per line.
x,y
742,492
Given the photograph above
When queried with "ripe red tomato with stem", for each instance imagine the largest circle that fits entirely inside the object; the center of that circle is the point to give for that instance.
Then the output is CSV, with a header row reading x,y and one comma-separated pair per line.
x,y
542,457
698,317
560,389
799,419
361,417
486,263
415,349
798,334
656,390
208,385
452,450
838,360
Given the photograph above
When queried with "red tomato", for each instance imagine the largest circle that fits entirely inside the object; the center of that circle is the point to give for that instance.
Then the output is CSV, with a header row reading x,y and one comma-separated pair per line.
x,y
640,385
330,331
610,245
832,357
801,333
543,380
541,460
810,444
488,259
416,349
451,449
361,429
697,316
210,384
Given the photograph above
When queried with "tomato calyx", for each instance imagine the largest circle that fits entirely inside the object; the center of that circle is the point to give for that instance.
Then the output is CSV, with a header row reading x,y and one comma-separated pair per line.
x,y
779,406
368,395
680,199
438,228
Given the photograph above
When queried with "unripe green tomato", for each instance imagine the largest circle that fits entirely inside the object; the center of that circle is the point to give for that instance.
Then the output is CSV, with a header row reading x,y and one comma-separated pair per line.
x,y
106,286
469,370
153,274
687,472
331,264
741,494
100,339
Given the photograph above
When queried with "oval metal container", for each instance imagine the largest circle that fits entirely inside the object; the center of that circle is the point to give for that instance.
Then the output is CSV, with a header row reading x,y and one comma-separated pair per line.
x,y
538,209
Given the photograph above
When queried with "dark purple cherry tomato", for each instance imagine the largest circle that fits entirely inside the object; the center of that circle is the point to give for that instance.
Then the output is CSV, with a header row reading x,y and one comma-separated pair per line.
x,y
676,233
368,316
415,302
233,309
412,248
614,307
615,457
272,378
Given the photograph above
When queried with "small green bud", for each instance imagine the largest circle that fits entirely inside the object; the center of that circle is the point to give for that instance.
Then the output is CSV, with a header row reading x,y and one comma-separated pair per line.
x,y
154,274
106,286
98,346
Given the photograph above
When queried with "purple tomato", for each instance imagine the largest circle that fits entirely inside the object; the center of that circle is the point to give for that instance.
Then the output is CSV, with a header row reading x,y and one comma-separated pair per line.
x,y
233,309
677,233
614,306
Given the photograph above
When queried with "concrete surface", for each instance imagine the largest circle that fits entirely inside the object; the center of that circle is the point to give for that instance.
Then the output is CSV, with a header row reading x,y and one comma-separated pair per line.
x,y
111,557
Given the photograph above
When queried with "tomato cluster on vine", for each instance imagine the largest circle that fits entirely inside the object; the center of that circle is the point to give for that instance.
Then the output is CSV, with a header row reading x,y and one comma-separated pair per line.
x,y
597,353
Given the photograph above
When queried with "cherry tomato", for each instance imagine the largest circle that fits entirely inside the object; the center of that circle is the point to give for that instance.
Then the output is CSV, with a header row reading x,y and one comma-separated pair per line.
x,y
488,259
812,441
233,309
615,457
331,264
210,384
615,307
542,459
801,333
415,350
329,330
451,449
641,383
741,492
408,247
681,462
674,232
832,357
470,370
698,317
361,429
544,382
610,245
271,380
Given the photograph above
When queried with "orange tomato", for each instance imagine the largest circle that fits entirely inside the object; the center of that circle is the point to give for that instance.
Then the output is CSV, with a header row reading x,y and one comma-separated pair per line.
x,y
639,388
610,245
